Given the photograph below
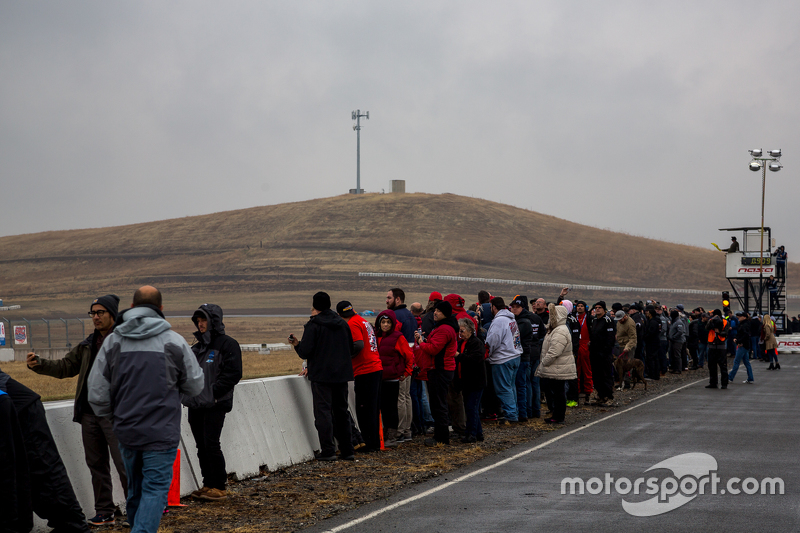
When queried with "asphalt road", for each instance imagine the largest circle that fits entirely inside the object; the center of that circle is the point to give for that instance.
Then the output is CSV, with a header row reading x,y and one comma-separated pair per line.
x,y
747,432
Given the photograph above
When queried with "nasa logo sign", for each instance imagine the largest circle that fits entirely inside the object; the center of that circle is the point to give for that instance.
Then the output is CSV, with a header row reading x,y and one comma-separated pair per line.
x,y
755,270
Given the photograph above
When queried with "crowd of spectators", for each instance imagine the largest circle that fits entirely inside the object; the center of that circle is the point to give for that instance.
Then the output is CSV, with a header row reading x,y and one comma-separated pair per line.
x,y
438,372
510,363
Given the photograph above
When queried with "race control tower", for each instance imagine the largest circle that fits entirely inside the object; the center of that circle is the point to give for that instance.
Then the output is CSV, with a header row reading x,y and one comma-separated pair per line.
x,y
748,272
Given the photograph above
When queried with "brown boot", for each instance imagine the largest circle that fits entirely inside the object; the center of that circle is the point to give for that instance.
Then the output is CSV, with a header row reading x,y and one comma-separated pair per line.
x,y
198,492
214,495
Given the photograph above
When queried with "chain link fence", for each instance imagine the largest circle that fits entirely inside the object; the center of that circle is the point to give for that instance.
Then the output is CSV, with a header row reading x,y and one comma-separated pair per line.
x,y
48,333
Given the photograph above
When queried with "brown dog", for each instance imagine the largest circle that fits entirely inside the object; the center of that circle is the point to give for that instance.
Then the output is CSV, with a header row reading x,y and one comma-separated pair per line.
x,y
622,365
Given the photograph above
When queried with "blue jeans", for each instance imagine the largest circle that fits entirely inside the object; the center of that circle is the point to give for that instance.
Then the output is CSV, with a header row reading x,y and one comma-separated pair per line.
x,y
754,340
504,377
534,393
522,384
418,401
742,356
426,405
149,478
472,407
702,353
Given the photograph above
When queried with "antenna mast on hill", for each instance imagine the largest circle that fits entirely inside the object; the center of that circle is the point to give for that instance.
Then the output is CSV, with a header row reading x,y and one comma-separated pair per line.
x,y
357,126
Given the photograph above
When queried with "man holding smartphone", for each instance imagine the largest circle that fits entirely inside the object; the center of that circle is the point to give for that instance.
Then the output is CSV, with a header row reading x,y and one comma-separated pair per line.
x,y
98,438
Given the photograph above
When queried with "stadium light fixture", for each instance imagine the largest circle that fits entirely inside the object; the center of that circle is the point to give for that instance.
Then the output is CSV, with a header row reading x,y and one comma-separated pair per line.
x,y
761,163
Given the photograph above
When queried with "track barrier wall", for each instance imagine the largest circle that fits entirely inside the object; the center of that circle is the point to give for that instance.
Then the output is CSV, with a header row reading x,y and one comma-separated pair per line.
x,y
271,426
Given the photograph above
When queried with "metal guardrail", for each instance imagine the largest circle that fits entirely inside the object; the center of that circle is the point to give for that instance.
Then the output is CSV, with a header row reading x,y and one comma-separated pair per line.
x,y
495,281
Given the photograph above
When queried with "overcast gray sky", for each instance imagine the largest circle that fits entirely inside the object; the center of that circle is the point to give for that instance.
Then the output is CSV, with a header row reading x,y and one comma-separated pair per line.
x,y
632,116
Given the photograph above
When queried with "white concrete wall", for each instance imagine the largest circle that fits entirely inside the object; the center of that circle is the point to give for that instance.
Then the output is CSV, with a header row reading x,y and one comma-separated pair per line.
x,y
789,343
6,354
271,425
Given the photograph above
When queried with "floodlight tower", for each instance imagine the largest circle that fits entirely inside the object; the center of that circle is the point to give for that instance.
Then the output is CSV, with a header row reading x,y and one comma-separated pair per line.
x,y
760,162
357,126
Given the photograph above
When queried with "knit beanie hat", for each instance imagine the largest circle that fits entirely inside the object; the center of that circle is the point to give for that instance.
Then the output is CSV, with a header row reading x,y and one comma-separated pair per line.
x,y
601,303
568,305
435,295
445,308
110,302
321,302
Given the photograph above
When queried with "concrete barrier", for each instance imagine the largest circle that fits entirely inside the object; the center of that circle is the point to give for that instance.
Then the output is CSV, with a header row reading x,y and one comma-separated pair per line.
x,y
271,426
6,354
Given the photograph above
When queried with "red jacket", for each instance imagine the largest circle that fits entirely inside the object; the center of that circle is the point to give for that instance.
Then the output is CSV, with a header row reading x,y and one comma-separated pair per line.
x,y
439,350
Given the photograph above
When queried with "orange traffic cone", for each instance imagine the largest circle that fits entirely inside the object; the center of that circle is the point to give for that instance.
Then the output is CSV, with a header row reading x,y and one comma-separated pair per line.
x,y
380,430
174,496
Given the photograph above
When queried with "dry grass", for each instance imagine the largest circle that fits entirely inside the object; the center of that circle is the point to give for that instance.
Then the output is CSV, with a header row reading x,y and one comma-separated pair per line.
x,y
296,249
48,388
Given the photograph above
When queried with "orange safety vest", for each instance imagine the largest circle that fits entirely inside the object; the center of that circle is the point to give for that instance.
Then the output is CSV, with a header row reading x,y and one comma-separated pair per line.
x,y
713,333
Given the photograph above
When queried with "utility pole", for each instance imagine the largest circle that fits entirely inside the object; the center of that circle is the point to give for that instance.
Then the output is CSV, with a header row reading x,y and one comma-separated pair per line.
x,y
357,126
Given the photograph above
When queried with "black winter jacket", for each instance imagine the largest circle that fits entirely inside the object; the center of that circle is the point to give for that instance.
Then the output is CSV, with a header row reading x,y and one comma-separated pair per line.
x,y
575,332
743,335
473,369
526,337
220,357
328,347
539,332
602,336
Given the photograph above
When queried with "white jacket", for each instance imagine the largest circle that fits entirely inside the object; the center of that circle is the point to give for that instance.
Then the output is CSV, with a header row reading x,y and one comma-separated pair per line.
x,y
503,338
557,359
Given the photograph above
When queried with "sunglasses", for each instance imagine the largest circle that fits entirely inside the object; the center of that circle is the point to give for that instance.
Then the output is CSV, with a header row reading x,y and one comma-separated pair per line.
x,y
98,313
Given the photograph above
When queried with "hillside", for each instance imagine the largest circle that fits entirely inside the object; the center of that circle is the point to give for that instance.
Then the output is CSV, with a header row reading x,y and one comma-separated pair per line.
x,y
324,243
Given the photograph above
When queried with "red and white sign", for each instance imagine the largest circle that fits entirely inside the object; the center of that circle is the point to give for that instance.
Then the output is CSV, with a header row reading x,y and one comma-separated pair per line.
x,y
20,335
2,334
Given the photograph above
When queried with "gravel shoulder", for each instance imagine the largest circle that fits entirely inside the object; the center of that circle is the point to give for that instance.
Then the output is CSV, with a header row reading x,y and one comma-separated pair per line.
x,y
301,495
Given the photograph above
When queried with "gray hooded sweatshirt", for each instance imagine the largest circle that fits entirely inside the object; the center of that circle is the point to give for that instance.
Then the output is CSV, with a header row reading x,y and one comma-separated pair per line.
x,y
140,372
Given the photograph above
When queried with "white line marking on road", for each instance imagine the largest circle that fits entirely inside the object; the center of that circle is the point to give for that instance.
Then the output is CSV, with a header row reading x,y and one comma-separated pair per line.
x,y
443,486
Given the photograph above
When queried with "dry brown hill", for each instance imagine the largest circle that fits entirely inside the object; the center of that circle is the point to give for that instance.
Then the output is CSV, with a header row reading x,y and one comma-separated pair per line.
x,y
325,242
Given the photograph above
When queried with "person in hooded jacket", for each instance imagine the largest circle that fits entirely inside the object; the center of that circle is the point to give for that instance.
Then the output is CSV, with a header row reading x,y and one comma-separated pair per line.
x,y
557,365
137,380
327,346
220,357
397,361
436,356
505,350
